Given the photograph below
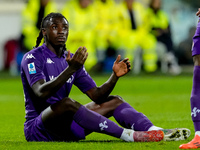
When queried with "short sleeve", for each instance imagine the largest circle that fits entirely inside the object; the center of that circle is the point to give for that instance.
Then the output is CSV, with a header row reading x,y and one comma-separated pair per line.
x,y
32,66
83,80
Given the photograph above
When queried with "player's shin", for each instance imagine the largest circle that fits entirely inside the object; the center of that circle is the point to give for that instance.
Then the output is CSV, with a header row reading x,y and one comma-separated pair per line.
x,y
129,118
93,121
194,100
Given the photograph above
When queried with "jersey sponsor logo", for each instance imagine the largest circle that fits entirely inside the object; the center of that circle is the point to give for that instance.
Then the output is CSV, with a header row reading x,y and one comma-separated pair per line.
x,y
31,68
49,61
29,56
70,79
103,125
195,111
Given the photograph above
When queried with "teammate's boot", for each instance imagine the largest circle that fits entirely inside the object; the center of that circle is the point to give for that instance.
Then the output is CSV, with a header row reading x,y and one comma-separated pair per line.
x,y
194,144
176,134
148,136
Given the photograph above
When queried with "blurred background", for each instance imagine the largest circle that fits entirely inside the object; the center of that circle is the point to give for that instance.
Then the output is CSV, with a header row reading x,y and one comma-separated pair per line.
x,y
155,34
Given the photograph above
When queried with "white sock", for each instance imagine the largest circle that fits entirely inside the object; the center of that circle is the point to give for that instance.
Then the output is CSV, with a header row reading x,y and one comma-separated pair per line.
x,y
154,128
127,135
197,133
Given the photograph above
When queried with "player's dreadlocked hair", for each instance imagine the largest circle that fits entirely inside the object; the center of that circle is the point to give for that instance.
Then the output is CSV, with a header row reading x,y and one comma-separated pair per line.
x,y
44,25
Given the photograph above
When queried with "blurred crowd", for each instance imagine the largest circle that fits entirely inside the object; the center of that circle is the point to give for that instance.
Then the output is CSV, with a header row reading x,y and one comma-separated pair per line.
x,y
108,28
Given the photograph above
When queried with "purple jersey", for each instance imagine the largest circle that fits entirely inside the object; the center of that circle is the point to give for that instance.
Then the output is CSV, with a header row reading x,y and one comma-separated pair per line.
x,y
41,63
196,41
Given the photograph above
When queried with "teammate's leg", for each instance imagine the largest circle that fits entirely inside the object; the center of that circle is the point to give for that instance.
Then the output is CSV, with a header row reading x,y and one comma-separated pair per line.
x,y
195,95
195,106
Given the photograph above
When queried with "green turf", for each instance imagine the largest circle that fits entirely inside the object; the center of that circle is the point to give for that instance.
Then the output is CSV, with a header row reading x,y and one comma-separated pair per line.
x,y
165,100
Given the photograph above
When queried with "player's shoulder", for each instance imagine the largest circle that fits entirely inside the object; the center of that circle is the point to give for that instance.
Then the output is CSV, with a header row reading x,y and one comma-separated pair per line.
x,y
33,54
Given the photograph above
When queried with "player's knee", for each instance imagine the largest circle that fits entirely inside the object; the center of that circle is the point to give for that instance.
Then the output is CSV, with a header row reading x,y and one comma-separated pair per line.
x,y
117,100
196,60
70,104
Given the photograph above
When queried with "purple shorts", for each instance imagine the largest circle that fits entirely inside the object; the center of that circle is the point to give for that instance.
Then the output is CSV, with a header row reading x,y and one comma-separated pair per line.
x,y
196,41
34,130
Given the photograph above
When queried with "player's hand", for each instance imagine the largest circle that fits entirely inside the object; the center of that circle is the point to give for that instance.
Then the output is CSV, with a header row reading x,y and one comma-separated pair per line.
x,y
198,12
121,68
78,59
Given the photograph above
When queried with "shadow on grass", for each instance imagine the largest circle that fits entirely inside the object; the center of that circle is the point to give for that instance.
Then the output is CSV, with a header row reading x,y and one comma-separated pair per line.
x,y
102,141
82,141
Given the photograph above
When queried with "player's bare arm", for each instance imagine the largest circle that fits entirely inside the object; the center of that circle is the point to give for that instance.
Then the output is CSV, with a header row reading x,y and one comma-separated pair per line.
x,y
120,68
198,12
45,89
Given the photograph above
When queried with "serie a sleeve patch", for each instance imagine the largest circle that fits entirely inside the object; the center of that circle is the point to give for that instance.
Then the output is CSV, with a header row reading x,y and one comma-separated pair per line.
x,y
31,68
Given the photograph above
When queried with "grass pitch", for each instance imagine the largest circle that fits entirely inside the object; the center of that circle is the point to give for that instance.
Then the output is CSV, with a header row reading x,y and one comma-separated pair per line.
x,y
165,100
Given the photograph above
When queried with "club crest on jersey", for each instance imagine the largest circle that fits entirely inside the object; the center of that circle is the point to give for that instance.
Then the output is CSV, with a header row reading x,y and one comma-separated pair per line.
x,y
29,56
31,68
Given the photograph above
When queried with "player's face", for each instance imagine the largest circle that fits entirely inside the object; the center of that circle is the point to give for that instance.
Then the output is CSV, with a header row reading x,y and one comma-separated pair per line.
x,y
57,31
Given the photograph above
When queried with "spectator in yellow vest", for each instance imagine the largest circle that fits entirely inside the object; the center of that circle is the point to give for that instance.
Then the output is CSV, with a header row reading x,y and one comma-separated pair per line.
x,y
106,31
81,32
159,26
133,35
32,16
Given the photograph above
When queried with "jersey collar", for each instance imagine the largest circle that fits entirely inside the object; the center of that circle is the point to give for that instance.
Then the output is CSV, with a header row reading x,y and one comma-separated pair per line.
x,y
50,53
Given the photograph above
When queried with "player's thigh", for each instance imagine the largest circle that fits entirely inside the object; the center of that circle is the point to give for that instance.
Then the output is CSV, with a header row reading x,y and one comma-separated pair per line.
x,y
58,117
64,108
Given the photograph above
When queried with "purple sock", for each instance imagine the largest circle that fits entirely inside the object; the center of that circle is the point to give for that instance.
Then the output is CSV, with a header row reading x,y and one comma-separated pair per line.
x,y
95,122
195,98
129,118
